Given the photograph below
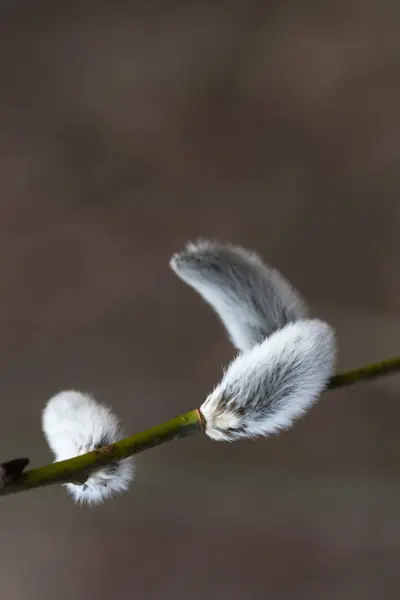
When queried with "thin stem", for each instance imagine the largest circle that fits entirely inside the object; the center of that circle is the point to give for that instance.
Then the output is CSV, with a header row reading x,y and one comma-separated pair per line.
x,y
190,423
75,469
379,369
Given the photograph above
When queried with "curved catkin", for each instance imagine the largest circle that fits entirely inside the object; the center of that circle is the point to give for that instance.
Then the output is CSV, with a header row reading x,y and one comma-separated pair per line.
x,y
75,423
251,299
265,389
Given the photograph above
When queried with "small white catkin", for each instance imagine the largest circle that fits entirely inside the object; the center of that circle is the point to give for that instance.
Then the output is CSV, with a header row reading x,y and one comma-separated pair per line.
x,y
251,299
75,423
266,388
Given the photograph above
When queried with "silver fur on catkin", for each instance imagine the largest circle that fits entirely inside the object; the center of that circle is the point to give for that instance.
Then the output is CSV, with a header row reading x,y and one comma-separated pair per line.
x,y
266,388
74,424
252,300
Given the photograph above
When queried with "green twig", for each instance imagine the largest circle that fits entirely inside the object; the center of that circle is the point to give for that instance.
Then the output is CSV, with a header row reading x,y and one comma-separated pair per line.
x,y
190,423
77,468
379,369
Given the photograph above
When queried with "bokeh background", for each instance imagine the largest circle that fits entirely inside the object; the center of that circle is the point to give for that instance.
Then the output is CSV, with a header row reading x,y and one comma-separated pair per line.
x,y
126,129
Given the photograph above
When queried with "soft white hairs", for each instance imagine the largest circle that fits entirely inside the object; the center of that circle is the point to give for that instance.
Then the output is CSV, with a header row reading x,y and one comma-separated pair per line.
x,y
266,388
251,299
75,423
285,359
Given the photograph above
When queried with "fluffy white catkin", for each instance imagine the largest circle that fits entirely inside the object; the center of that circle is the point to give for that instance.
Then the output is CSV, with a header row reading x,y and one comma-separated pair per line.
x,y
251,299
75,423
266,388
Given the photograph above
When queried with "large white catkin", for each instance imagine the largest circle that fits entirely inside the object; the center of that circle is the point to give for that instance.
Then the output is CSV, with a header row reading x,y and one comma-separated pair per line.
x,y
251,299
266,388
286,359
75,423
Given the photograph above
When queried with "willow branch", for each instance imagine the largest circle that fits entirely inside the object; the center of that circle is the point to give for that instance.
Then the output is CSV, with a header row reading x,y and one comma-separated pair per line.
x,y
372,371
78,468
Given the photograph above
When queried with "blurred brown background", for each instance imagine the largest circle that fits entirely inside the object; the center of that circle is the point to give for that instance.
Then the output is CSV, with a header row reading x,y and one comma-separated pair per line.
x,y
126,129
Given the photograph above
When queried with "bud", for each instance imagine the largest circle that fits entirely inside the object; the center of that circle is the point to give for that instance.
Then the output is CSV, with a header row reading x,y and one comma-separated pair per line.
x,y
12,469
74,424
266,388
